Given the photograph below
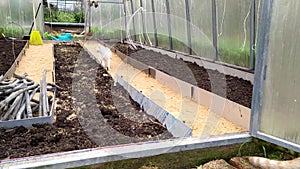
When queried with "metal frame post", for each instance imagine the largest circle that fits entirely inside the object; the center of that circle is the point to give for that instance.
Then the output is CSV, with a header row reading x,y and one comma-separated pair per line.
x,y
169,24
125,15
214,29
260,66
143,21
90,17
133,21
259,79
154,23
188,27
110,2
252,35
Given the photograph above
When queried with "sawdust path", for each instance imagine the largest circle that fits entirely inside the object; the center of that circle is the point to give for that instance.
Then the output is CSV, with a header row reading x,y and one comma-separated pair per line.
x,y
37,58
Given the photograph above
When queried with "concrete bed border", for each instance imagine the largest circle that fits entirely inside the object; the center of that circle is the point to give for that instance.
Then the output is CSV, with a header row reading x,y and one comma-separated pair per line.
x,y
234,112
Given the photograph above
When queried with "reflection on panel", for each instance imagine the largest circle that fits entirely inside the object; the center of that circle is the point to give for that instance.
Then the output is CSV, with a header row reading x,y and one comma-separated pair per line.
x,y
280,111
162,23
178,24
16,17
201,28
233,17
107,22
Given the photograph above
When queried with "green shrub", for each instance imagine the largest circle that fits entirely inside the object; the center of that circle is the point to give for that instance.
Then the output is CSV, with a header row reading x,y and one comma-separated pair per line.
x,y
11,31
79,17
63,16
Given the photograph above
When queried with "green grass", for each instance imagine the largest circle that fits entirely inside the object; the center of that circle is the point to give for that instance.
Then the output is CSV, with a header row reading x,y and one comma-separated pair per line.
x,y
107,34
12,31
230,51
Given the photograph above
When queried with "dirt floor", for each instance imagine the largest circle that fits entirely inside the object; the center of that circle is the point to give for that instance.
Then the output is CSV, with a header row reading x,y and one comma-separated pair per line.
x,y
232,88
9,52
200,119
85,115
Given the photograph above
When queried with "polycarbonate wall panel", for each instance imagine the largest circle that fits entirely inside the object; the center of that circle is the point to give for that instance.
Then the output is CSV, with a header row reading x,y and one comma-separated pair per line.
x,y
130,20
107,21
40,15
149,24
201,28
280,109
138,22
178,25
233,17
16,17
162,23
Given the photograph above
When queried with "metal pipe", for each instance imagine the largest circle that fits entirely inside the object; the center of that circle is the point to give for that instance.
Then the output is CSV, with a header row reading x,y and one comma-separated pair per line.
x,y
154,23
111,2
90,14
252,35
169,24
125,19
92,156
143,21
133,22
214,30
188,26
260,66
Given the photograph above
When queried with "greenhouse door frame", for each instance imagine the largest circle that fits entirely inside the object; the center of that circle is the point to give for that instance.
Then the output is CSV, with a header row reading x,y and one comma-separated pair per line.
x,y
259,78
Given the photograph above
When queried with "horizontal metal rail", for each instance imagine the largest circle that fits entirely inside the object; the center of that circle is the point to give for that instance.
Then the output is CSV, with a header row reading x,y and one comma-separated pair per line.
x,y
121,152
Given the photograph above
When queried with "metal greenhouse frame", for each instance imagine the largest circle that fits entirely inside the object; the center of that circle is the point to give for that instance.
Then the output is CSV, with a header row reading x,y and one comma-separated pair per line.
x,y
251,16
138,150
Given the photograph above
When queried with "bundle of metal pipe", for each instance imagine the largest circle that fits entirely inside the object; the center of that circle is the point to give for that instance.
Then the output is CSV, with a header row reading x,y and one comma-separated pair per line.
x,y
17,97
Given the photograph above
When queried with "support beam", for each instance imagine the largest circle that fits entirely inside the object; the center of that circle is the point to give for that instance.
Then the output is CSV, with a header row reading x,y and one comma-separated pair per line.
x,y
169,24
92,156
252,35
143,21
133,21
188,27
261,65
154,23
111,2
214,29
125,15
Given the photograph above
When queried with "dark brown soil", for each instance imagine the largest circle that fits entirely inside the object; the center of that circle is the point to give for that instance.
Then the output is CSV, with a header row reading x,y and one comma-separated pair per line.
x,y
232,88
91,111
9,51
125,48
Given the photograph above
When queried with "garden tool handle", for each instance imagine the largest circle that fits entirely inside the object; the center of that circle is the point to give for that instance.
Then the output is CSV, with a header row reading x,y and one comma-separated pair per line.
x,y
37,11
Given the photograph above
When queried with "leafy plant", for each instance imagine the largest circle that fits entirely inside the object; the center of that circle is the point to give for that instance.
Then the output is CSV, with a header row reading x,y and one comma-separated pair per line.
x,y
79,17
65,17
11,31
53,15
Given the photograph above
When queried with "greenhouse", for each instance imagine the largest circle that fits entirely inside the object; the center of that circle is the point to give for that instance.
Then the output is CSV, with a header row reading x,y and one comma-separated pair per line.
x,y
149,84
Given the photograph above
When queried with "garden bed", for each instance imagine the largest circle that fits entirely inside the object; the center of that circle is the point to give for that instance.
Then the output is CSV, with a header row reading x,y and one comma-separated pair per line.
x,y
9,52
82,122
230,87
